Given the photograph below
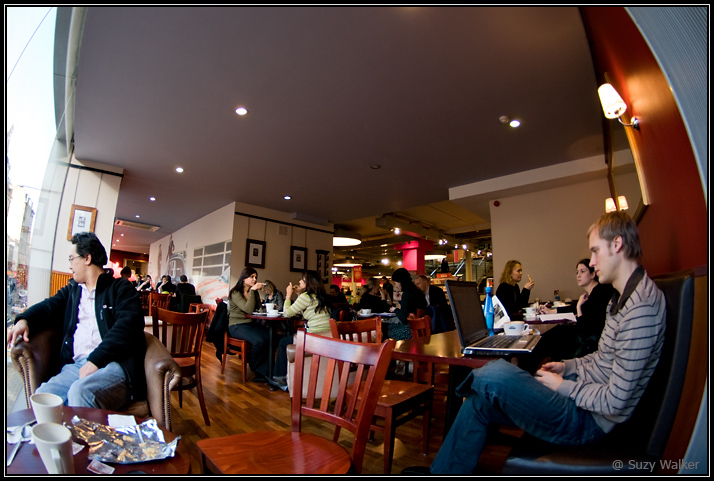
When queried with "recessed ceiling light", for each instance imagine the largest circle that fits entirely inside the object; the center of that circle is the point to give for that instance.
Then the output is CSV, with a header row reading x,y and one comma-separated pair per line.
x,y
241,110
152,199
137,216
287,197
514,123
179,169
375,166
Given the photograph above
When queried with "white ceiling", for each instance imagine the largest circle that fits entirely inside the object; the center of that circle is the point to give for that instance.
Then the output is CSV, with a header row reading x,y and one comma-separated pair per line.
x,y
330,91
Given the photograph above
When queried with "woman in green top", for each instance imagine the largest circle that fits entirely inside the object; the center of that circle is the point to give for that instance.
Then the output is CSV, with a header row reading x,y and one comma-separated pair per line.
x,y
314,305
244,299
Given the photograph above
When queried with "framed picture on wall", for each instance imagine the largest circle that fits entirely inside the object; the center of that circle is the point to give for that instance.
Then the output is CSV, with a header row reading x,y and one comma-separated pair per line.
x,y
255,253
323,261
81,219
298,259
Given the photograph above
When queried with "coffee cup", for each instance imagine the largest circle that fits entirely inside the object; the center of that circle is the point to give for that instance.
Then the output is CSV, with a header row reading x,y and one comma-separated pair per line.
x,y
530,311
365,312
269,306
48,408
273,313
515,328
54,443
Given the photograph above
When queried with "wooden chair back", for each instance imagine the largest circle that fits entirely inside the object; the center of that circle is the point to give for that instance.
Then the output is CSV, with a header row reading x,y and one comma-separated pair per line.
x,y
157,301
363,330
369,360
420,326
182,333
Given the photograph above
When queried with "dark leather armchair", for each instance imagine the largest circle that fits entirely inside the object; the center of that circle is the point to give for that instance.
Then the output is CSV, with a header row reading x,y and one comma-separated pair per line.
x,y
643,437
34,361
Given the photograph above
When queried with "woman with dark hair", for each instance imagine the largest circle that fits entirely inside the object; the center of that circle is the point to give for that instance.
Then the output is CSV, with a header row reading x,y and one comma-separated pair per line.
x,y
511,296
244,299
314,305
412,299
590,310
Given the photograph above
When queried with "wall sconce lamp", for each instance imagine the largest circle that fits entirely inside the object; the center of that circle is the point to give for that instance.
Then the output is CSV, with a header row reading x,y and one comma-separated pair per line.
x,y
610,204
614,106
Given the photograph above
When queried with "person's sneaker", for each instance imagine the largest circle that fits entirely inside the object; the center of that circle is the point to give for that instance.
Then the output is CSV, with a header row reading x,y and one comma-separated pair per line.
x,y
259,378
278,382
417,471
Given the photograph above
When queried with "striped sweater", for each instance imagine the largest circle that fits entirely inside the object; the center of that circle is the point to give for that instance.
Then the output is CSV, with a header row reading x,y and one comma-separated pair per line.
x,y
610,381
306,304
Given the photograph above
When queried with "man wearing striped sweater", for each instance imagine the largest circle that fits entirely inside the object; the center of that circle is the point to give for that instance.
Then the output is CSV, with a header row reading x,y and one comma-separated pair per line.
x,y
579,400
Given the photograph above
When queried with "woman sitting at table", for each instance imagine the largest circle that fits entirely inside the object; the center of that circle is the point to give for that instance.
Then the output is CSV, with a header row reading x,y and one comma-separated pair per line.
x,y
591,309
314,305
272,294
511,296
244,299
374,297
411,300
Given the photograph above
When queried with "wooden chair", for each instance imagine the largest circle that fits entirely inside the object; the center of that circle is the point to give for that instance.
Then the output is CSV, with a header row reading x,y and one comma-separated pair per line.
x,y
185,343
399,401
426,372
157,301
198,307
296,452
144,297
239,347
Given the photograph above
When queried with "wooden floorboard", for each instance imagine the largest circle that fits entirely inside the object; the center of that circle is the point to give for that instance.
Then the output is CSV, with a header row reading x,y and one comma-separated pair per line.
x,y
235,406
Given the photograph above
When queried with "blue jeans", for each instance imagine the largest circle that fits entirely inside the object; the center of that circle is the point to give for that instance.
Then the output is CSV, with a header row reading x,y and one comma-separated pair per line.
x,y
103,389
502,393
259,338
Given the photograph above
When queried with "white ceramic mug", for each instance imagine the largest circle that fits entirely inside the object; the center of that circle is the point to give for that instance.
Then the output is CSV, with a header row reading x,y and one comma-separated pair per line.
x,y
274,312
48,408
365,312
530,312
54,442
515,328
269,306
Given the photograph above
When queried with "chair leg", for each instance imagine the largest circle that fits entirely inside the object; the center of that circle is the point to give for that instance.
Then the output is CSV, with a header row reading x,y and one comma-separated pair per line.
x,y
201,400
244,366
180,393
223,361
389,434
425,427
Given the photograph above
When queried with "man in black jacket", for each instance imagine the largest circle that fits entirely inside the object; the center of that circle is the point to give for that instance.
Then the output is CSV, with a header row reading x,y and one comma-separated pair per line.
x,y
101,327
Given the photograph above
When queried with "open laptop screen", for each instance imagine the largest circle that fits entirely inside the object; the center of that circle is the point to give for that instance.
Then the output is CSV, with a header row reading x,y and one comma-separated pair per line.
x,y
468,315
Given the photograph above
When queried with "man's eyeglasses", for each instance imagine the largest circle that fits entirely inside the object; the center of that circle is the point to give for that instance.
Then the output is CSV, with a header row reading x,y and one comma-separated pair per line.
x,y
71,258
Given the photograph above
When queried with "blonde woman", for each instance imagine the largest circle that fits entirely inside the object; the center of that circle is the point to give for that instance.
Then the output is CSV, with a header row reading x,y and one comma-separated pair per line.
x,y
511,296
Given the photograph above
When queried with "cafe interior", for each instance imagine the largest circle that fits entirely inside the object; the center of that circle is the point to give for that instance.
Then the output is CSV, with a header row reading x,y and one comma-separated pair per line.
x,y
200,140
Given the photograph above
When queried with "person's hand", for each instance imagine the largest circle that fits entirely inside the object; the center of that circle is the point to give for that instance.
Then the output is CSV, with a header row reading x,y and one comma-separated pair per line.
x,y
19,330
549,378
544,310
289,291
257,285
554,367
87,369
529,285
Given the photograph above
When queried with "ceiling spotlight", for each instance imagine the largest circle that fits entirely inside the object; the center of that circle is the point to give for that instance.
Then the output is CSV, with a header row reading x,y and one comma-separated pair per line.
x,y
241,110
152,199
385,261
179,169
375,166
397,231
137,216
507,121
287,197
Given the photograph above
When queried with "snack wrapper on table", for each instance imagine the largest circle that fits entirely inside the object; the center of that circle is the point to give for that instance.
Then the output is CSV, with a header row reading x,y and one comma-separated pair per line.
x,y
125,444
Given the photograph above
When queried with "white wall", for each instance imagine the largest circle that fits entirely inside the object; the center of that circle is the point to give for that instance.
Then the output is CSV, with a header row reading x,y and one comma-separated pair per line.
x,y
97,188
546,232
236,223
279,231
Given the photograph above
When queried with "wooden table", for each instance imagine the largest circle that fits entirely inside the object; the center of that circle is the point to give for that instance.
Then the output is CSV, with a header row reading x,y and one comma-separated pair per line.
x,y
272,321
28,461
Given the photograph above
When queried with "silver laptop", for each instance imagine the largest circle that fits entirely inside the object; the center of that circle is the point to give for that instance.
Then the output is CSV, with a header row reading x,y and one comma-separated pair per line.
x,y
471,325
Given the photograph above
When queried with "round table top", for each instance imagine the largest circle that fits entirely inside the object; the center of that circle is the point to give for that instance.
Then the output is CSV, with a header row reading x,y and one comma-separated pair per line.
x,y
28,461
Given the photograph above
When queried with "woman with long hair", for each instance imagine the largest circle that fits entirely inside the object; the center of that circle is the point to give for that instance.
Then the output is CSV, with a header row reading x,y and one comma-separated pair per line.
x,y
314,305
411,300
374,297
508,292
244,299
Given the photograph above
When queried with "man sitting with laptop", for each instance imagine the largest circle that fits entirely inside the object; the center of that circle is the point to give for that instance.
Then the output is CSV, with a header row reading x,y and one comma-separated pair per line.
x,y
576,401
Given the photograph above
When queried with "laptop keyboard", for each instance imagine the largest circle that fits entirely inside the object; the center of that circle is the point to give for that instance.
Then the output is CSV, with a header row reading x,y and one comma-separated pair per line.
x,y
498,341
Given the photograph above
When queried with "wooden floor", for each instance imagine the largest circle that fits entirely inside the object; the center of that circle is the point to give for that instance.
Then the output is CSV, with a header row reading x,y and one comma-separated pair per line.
x,y
236,407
